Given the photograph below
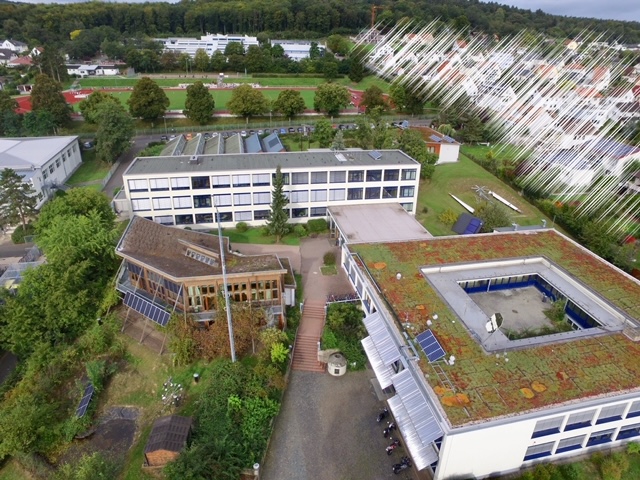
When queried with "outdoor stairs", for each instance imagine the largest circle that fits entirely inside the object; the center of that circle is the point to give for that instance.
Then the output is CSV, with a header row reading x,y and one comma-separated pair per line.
x,y
305,354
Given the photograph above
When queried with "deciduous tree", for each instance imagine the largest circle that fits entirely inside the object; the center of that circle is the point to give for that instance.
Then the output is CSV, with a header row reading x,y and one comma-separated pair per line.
x,y
47,95
89,105
323,133
148,101
7,103
289,103
199,104
201,60
372,98
17,199
247,102
39,123
76,202
338,44
331,98
278,218
115,131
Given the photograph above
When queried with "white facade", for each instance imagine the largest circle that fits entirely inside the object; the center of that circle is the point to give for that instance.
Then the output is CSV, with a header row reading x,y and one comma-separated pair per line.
x,y
296,49
181,191
14,46
92,70
44,162
210,43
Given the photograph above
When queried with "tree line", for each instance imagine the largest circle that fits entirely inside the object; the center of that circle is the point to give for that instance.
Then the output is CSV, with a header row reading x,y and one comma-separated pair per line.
x,y
52,24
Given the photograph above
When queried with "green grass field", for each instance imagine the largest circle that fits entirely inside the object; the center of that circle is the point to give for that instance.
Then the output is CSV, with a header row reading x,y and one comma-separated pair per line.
x,y
90,170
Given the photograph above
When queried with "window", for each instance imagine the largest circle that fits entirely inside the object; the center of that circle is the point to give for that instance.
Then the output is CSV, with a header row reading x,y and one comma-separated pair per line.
x,y
184,219
409,174
222,200
407,191
164,220
579,420
261,214
374,175
408,207
547,427
318,195
336,194
159,184
51,168
568,444
299,213
74,149
611,413
539,451
134,185
338,177
372,193
241,180
299,196
318,177
598,438
318,211
181,202
201,201
220,181
262,198
354,194
391,175
64,157
162,203
242,199
356,176
261,179
58,162
634,409
44,174
389,192
285,178
204,217
180,183
224,217
200,182
299,178
138,204
243,216
629,431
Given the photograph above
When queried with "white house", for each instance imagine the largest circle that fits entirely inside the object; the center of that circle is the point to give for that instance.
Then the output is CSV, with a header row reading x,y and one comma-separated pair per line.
x,y
6,55
296,49
184,190
14,45
44,162
210,43
92,70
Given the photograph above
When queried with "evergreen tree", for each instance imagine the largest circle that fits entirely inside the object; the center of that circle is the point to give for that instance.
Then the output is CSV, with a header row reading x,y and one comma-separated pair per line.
x,y
356,71
277,224
338,141
148,101
47,95
199,104
17,199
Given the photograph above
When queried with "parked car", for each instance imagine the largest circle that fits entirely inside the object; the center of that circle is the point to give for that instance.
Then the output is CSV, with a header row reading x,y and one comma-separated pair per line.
x,y
292,130
207,135
243,133
88,144
252,132
260,132
283,131
300,129
164,138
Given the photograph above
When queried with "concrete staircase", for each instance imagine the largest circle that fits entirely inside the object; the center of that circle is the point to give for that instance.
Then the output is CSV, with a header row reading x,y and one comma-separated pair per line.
x,y
305,355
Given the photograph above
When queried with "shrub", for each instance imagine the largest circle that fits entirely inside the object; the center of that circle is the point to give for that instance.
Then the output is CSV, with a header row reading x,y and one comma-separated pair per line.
x,y
329,339
299,231
242,227
18,234
317,225
610,469
279,353
293,318
569,471
633,447
448,217
329,258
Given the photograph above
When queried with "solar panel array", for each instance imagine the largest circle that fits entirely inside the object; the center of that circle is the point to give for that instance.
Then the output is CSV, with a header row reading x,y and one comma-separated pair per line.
x,y
430,345
376,155
146,308
86,398
435,138
449,139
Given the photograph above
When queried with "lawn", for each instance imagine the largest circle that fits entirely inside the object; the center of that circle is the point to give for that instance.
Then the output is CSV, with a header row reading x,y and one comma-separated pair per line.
x,y
255,235
89,170
12,471
459,179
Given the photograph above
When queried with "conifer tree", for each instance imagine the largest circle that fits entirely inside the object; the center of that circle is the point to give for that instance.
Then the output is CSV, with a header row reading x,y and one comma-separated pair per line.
x,y
277,224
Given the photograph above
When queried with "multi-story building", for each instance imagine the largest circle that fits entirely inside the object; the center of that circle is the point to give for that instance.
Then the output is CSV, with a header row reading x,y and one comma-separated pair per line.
x,y
44,162
296,49
189,190
475,394
210,43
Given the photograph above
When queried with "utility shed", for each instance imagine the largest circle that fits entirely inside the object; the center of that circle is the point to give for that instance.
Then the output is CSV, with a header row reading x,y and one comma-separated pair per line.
x,y
168,437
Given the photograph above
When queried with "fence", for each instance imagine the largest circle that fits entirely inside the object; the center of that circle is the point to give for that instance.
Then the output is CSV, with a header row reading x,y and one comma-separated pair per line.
x,y
110,173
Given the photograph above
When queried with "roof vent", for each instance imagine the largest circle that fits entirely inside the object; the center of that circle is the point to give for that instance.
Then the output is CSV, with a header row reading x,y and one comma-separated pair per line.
x,y
341,157
194,160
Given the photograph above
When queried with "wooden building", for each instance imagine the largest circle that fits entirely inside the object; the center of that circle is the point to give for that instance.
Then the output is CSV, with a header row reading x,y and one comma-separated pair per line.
x,y
168,437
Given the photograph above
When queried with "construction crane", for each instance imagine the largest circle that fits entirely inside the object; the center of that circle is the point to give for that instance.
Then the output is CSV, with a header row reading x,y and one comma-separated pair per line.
x,y
374,10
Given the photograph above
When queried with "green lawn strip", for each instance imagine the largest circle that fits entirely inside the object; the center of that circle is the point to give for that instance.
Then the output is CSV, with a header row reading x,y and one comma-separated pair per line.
x,y
366,83
328,270
121,82
255,235
89,170
11,470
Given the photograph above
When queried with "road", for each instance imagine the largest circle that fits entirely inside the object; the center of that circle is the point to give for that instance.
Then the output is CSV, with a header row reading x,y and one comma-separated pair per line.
x,y
139,144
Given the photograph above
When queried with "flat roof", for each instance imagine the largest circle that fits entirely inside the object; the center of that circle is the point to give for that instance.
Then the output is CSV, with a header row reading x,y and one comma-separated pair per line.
x,y
250,161
489,386
377,222
22,153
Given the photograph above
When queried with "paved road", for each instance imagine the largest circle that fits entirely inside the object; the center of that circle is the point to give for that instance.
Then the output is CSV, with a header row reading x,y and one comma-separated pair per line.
x,y
140,143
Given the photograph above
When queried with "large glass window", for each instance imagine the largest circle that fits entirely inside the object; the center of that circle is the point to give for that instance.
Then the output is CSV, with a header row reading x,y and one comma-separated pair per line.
x,y
224,217
579,420
374,175
181,202
261,214
338,177
409,174
204,217
180,183
134,185
241,180
299,196
138,204
629,431
299,178
634,409
318,195
285,178
164,219
222,200
201,201
242,199
299,213
598,438
184,219
354,194
318,211
568,444
220,181
611,413
318,177
262,198
159,184
389,192
407,206
336,194
372,193
547,427
162,203
243,216
407,191
261,179
200,182
539,451
391,175
356,176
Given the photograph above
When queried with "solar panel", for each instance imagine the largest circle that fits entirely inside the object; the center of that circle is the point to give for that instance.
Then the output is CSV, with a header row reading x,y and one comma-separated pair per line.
x,y
449,139
435,138
430,345
273,142
376,155
84,402
146,308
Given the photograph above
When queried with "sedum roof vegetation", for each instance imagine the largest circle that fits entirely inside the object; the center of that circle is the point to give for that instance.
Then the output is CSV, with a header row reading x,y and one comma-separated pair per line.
x,y
487,386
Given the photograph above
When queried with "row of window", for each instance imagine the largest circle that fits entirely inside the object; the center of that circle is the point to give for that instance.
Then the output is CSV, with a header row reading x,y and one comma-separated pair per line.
x,y
265,179
611,413
578,442
56,164
264,198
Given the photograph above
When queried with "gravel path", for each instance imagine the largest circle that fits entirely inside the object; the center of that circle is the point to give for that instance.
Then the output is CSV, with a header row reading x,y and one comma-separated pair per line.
x,y
327,430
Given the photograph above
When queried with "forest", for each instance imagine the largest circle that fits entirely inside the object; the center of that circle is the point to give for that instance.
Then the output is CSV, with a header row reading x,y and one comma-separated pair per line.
x,y
55,23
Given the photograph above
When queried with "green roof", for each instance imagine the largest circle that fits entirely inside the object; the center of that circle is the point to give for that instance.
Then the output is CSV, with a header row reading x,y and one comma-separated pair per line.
x,y
486,386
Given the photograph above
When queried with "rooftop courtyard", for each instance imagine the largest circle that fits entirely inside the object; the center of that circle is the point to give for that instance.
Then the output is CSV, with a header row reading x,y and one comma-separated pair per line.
x,y
484,383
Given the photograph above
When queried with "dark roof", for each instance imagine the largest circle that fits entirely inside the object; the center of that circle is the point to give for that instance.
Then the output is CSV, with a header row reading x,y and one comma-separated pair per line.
x,y
272,144
169,433
252,144
164,249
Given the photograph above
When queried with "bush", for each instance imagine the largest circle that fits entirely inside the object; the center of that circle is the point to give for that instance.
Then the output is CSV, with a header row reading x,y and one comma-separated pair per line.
x,y
279,353
18,234
569,471
242,227
317,225
293,318
329,258
448,217
633,447
299,231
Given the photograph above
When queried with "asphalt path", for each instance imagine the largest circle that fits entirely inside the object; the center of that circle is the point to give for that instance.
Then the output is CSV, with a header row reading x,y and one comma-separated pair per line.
x,y
139,143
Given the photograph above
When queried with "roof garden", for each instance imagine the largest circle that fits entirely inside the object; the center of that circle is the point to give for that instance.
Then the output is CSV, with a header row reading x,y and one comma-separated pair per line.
x,y
485,385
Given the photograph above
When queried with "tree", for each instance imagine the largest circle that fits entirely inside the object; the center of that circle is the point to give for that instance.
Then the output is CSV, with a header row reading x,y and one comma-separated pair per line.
x,y
289,103
257,59
338,44
51,62
148,101
234,48
199,104
89,105
247,102
356,71
201,60
406,99
7,104
278,217
473,130
372,98
323,133
330,70
314,51
47,95
39,123
17,199
338,141
493,216
77,202
10,124
363,135
447,129
411,143
115,131
331,98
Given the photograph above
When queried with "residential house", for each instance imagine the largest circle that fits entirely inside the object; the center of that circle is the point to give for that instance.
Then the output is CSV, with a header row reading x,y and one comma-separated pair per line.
x,y
14,45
